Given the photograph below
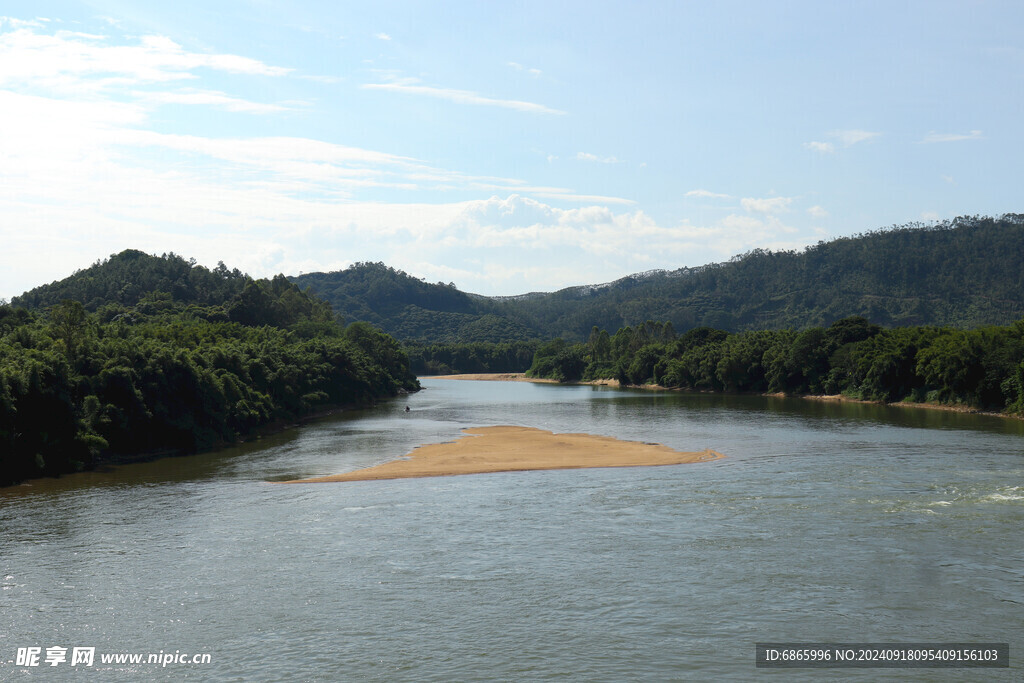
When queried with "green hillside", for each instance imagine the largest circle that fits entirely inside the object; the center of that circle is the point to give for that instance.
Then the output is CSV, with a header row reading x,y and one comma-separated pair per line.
x,y
964,273
148,354
125,278
411,309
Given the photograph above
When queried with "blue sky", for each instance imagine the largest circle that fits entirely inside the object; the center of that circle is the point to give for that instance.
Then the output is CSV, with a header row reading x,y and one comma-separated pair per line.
x,y
507,147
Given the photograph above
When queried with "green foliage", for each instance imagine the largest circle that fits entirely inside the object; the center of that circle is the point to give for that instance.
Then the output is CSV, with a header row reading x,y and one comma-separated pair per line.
x,y
164,373
964,273
447,359
413,310
558,360
278,303
127,277
981,368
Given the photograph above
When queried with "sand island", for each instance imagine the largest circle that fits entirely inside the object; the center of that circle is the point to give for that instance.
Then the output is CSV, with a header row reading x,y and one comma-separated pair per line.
x,y
513,449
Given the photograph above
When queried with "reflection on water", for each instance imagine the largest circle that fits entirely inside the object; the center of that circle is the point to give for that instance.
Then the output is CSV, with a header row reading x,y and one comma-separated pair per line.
x,y
827,521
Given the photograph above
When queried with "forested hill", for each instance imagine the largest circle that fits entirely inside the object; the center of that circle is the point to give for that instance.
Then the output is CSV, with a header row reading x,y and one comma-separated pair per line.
x,y
143,354
411,309
962,273
127,277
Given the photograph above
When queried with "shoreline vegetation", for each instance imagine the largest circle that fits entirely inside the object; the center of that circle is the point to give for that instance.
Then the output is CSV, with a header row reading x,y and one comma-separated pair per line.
x,y
483,450
204,359
614,383
980,369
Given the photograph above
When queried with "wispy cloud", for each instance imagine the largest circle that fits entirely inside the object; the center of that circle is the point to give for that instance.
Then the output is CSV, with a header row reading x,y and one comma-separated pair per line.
x,y
817,212
519,67
78,62
951,137
14,22
584,198
382,36
707,194
771,205
586,156
462,97
210,98
845,138
823,147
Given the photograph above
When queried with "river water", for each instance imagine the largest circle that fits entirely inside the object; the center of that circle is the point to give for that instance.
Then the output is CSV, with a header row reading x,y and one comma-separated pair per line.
x,y
824,523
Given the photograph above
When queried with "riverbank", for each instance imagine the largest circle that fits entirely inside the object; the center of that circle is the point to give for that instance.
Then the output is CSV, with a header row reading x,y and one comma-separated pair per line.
x,y
110,462
838,398
519,377
514,449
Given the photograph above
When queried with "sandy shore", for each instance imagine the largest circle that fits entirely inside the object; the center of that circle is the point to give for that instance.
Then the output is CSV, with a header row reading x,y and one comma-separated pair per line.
x,y
513,449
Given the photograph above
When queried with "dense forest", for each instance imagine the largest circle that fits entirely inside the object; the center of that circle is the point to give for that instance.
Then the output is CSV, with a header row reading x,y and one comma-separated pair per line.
x,y
448,359
413,310
94,368
964,273
981,368
128,277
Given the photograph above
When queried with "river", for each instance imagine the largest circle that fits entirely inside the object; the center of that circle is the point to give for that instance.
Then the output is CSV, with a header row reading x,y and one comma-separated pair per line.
x,y
826,522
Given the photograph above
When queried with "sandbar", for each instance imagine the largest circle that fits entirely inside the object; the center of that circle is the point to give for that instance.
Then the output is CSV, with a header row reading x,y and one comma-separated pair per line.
x,y
513,449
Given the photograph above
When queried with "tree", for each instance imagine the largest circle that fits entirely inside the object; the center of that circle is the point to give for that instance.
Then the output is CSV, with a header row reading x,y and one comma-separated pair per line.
x,y
69,322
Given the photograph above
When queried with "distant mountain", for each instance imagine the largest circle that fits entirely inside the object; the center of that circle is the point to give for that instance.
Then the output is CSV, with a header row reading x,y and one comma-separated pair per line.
x,y
412,309
964,273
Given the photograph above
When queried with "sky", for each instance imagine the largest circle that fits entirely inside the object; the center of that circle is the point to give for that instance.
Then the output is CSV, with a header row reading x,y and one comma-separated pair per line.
x,y
507,146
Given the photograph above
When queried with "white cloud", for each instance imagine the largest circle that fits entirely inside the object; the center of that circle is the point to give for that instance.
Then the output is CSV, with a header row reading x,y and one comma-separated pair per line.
x,y
462,97
586,156
382,36
574,197
706,194
817,212
852,137
823,147
519,67
929,215
951,137
76,62
846,138
14,22
210,98
769,206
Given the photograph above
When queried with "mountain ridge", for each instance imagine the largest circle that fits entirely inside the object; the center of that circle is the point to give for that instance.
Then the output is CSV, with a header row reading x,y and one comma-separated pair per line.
x,y
968,272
